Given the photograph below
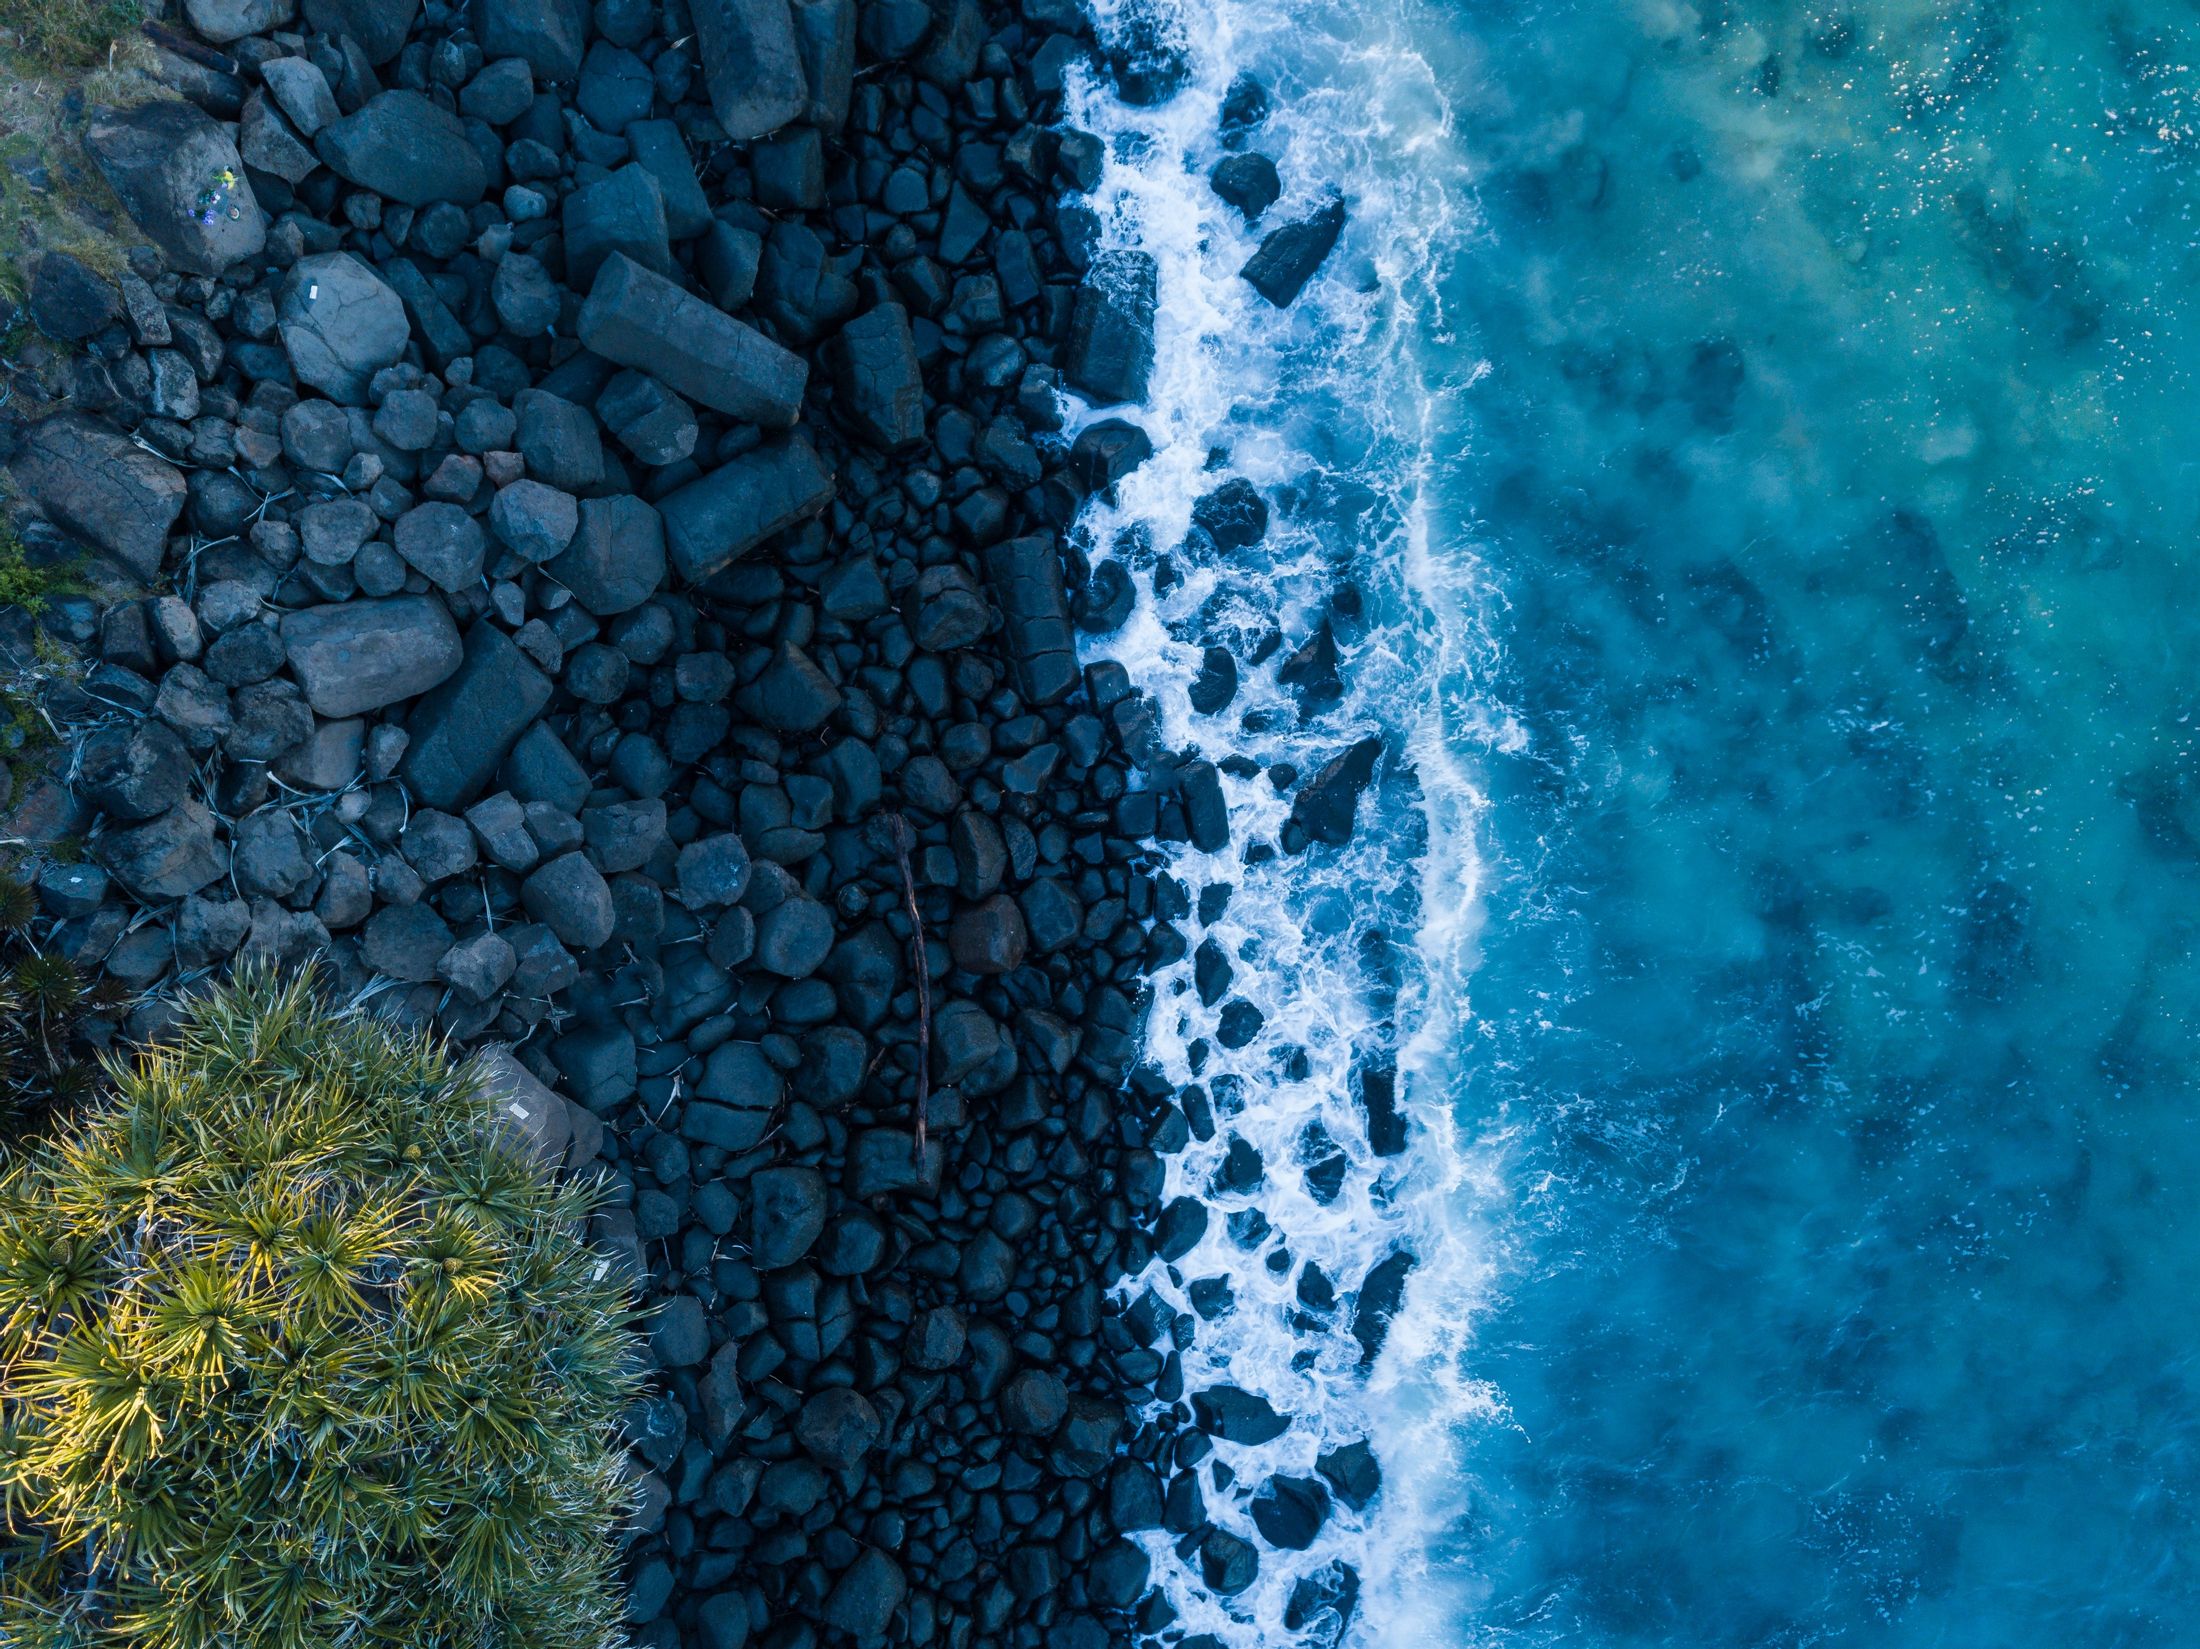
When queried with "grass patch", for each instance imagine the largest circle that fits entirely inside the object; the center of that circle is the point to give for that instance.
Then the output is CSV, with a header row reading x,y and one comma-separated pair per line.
x,y
51,196
69,34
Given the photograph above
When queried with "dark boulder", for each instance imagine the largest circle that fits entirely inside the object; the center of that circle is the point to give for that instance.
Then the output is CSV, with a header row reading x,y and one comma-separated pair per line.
x,y
1380,1296
406,146
617,557
462,729
69,301
864,1598
1105,452
1288,256
879,389
549,35
1237,1416
1234,515
1327,804
837,1426
751,64
636,317
1026,575
103,489
1111,345
1248,182
1290,1511
1353,1472
712,522
787,1215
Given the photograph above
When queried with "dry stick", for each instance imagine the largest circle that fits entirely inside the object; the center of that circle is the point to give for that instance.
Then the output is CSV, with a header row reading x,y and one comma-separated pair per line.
x,y
924,983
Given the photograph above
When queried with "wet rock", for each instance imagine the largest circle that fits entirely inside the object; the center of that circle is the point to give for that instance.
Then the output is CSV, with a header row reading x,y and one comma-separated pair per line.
x,y
1237,1416
1289,256
1217,682
102,489
1110,354
787,1215
1322,1603
635,317
1206,816
1227,1564
1289,1512
407,147
1178,1230
751,64
164,161
340,324
1351,1469
1326,806
1247,181
166,857
357,656
462,729
1234,515
713,522
1380,1296
1105,452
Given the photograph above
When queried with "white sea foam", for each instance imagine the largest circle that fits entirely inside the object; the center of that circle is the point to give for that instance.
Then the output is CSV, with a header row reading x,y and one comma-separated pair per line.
x,y
1334,410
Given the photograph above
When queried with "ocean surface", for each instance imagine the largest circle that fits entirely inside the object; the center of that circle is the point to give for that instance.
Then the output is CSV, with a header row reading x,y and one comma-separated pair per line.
x,y
1746,457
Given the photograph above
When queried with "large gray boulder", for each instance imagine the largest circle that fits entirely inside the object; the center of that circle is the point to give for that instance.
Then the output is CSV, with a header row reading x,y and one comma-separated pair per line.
x,y
101,488
356,656
404,146
635,317
461,730
340,325
751,63
222,21
164,162
712,522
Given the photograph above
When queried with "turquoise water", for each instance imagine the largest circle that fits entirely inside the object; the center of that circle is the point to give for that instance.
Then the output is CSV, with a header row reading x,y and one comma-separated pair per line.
x,y
1833,1027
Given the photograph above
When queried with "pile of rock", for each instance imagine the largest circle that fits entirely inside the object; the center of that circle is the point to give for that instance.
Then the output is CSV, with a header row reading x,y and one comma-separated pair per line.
x,y
598,478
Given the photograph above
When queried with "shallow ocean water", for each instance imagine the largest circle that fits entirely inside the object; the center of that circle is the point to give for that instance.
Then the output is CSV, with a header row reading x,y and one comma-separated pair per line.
x,y
1756,441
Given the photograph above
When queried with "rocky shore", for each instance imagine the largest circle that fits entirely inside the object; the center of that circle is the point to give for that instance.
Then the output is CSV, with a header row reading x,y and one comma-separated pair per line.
x,y
586,532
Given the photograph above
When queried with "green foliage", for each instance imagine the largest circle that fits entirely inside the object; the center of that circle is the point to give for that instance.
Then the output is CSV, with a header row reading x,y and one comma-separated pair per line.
x,y
26,586
298,1348
46,1065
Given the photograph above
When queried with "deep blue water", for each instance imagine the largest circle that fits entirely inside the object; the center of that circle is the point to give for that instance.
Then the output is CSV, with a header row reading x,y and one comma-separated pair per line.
x,y
1834,1022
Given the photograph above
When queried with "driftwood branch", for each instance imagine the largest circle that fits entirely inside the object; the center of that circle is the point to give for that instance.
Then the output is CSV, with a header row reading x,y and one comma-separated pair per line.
x,y
924,981
185,47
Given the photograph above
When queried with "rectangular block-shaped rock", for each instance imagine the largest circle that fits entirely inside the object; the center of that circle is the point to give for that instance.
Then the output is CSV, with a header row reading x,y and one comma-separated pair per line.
x,y
1026,574
643,320
356,656
712,522
461,731
1110,354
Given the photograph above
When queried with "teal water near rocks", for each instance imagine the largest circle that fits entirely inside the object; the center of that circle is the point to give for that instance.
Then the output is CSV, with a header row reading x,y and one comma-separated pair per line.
x,y
1834,1024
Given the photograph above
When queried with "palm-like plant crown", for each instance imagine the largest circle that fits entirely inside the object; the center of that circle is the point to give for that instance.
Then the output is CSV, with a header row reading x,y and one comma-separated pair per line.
x,y
297,1348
